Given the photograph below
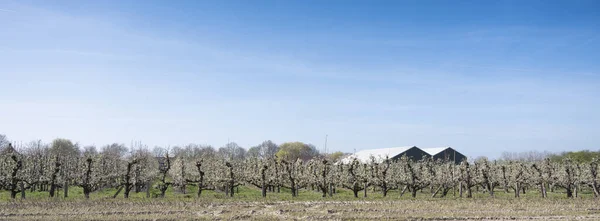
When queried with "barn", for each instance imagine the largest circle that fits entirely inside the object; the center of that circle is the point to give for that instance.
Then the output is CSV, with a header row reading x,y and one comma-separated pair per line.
x,y
445,153
394,153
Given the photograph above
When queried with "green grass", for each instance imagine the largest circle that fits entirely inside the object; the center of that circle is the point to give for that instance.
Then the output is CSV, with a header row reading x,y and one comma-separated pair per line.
x,y
248,193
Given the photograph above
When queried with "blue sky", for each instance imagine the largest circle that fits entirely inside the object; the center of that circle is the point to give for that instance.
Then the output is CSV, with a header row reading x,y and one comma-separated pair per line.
x,y
483,77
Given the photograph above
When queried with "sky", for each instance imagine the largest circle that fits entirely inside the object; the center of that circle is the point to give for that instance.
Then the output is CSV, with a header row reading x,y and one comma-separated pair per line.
x,y
483,77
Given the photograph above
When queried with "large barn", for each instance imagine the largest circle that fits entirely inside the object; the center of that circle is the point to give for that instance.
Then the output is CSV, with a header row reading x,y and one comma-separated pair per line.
x,y
445,153
364,156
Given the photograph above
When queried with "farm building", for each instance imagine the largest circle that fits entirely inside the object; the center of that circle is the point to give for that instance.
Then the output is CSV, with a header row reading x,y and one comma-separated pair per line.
x,y
8,150
364,156
445,153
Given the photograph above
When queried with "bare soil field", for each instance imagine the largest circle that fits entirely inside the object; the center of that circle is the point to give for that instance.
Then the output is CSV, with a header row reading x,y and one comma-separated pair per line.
x,y
453,209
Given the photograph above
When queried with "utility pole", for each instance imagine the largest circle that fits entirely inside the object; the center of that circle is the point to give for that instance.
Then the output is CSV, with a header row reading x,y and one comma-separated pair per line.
x,y
325,147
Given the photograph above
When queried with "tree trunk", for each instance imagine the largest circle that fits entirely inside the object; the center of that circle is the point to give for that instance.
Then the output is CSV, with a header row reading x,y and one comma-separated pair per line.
x,y
200,185
264,182
66,189
118,191
469,192
86,192
53,177
22,190
148,186
128,185
365,190
13,194
445,192
52,189
126,193
86,181
384,190
403,191
163,191
595,188
436,192
414,192
293,187
543,190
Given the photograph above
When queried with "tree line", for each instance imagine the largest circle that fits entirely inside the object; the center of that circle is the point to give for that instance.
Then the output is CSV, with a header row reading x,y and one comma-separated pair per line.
x,y
269,167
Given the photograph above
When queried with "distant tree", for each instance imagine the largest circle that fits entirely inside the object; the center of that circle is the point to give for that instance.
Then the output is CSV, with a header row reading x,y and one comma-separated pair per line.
x,y
89,150
254,152
297,150
115,150
206,151
529,156
265,150
584,156
159,151
335,156
268,149
232,151
3,142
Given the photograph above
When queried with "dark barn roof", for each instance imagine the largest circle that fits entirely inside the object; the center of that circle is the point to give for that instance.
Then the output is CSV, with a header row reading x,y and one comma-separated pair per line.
x,y
445,153
364,156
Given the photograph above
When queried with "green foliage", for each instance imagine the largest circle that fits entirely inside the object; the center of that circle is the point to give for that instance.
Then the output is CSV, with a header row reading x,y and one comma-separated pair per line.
x,y
335,156
292,151
584,156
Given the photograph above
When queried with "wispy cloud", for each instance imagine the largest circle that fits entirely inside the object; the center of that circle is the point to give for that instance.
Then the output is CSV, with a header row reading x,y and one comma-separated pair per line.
x,y
6,10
